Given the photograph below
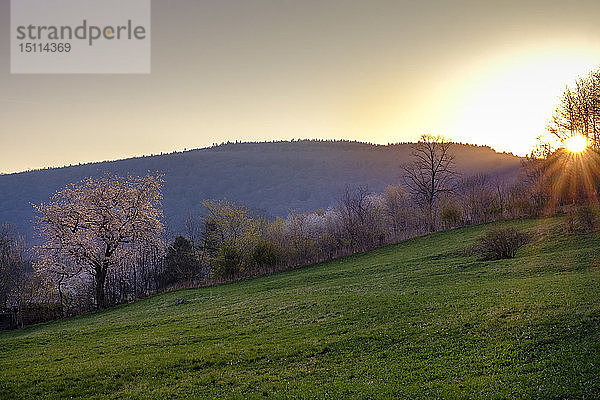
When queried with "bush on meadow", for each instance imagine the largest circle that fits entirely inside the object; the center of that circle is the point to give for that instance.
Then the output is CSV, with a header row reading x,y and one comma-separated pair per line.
x,y
500,243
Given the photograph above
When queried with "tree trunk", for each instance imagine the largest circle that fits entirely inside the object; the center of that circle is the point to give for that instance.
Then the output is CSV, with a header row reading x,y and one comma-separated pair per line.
x,y
100,280
430,217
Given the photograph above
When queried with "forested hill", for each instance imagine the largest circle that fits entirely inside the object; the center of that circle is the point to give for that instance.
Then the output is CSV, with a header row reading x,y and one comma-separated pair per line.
x,y
274,177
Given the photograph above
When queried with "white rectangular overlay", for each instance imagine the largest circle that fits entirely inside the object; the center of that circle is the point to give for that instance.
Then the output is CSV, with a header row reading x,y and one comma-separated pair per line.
x,y
80,37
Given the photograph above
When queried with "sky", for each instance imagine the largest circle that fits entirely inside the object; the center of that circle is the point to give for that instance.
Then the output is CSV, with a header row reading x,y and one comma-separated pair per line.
x,y
483,72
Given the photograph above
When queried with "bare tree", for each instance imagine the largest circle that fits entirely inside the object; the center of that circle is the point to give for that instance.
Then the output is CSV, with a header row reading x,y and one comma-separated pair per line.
x,y
477,197
578,111
353,206
542,149
12,263
565,121
430,174
397,207
193,230
92,226
363,217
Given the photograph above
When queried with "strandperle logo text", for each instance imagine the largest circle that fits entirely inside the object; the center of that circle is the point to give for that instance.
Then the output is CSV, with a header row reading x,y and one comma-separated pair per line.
x,y
84,31
80,36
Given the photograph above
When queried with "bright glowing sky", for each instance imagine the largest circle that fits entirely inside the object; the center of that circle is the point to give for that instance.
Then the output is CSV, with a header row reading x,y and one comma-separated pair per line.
x,y
483,72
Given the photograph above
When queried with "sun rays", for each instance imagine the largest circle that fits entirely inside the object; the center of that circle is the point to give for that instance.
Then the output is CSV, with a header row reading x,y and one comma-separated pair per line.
x,y
569,176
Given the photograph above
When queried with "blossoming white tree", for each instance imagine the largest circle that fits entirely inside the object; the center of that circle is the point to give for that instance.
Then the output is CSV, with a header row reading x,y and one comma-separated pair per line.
x,y
89,227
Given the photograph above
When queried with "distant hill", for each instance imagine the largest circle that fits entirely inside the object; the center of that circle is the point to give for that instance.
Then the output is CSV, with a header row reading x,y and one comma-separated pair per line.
x,y
273,177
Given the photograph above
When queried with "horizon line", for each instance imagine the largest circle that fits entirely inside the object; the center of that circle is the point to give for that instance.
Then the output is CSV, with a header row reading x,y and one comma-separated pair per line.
x,y
240,142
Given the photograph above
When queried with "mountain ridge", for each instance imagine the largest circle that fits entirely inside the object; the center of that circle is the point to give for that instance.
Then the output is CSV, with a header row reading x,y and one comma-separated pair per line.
x,y
275,177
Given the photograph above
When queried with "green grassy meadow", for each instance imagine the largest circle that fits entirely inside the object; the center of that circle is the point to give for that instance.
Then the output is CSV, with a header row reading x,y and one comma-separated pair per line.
x,y
420,319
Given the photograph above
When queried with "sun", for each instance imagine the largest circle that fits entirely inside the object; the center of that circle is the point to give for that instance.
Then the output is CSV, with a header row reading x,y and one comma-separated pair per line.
x,y
524,83
576,144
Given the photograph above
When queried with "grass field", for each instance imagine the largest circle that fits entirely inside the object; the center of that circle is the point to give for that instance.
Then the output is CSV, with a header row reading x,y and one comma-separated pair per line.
x,y
419,319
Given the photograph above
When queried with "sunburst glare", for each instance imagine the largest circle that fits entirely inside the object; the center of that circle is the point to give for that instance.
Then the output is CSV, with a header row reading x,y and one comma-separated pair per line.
x,y
576,144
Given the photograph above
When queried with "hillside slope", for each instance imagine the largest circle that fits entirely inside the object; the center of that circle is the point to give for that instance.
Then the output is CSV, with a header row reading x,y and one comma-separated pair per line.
x,y
274,177
419,319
